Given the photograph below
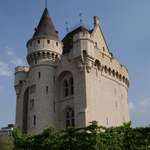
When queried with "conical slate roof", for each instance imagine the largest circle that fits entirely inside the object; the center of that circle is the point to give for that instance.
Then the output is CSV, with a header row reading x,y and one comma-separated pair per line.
x,y
45,27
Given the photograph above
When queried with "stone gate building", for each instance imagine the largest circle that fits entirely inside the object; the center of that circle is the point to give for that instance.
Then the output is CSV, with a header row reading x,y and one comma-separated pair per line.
x,y
70,82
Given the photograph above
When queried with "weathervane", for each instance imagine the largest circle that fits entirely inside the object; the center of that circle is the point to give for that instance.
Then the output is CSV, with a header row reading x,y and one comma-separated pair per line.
x,y
81,17
67,28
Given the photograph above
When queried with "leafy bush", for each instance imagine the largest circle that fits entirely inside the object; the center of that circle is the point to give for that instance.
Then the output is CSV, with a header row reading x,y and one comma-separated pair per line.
x,y
92,137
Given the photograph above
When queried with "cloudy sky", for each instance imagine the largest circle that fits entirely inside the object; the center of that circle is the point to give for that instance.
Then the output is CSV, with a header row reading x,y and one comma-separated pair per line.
x,y
126,26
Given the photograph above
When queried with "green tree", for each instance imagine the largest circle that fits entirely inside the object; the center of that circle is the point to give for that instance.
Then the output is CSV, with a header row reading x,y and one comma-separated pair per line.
x,y
92,137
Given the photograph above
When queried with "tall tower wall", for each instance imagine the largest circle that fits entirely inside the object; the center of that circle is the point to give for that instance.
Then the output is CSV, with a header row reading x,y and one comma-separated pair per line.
x,y
43,78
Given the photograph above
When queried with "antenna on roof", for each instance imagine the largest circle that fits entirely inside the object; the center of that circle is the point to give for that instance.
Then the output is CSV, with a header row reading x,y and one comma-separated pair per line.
x,y
81,17
45,3
67,28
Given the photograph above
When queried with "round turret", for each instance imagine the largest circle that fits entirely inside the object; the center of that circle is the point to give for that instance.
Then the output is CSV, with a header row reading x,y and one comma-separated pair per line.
x,y
45,45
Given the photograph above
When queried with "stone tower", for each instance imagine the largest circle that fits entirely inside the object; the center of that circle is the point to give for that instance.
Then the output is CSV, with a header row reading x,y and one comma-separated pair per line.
x,y
70,82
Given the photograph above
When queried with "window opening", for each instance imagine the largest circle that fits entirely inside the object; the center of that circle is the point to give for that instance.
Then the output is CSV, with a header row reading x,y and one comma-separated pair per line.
x,y
70,121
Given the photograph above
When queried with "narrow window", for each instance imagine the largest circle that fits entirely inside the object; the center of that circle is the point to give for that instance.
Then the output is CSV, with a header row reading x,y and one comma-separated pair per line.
x,y
71,88
46,89
56,43
54,106
104,49
39,74
34,120
48,41
38,41
70,121
84,52
65,88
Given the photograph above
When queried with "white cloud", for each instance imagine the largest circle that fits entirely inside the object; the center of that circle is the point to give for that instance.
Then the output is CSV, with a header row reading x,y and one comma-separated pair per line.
x,y
14,59
4,69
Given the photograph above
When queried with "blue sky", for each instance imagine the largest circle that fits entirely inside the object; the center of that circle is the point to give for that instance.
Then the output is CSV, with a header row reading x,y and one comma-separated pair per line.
x,y
126,26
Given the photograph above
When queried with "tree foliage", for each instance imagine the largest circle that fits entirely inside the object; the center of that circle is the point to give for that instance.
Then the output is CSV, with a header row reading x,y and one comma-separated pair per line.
x,y
92,137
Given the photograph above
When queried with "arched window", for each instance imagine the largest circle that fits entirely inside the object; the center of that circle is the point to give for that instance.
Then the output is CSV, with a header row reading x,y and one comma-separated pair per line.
x,y
65,88
71,88
66,84
70,120
68,88
97,64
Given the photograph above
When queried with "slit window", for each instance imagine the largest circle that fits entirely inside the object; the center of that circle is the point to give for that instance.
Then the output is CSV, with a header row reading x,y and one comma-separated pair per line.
x,y
34,120
39,75
46,89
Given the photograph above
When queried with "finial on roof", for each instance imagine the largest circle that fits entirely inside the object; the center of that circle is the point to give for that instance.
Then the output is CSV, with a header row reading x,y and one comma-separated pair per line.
x,y
67,28
81,19
45,3
96,21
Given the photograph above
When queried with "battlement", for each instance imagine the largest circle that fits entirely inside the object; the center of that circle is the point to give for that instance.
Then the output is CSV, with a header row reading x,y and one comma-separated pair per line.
x,y
112,68
35,45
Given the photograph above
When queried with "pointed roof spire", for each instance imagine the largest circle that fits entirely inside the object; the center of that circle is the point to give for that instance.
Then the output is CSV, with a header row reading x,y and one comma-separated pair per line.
x,y
45,27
